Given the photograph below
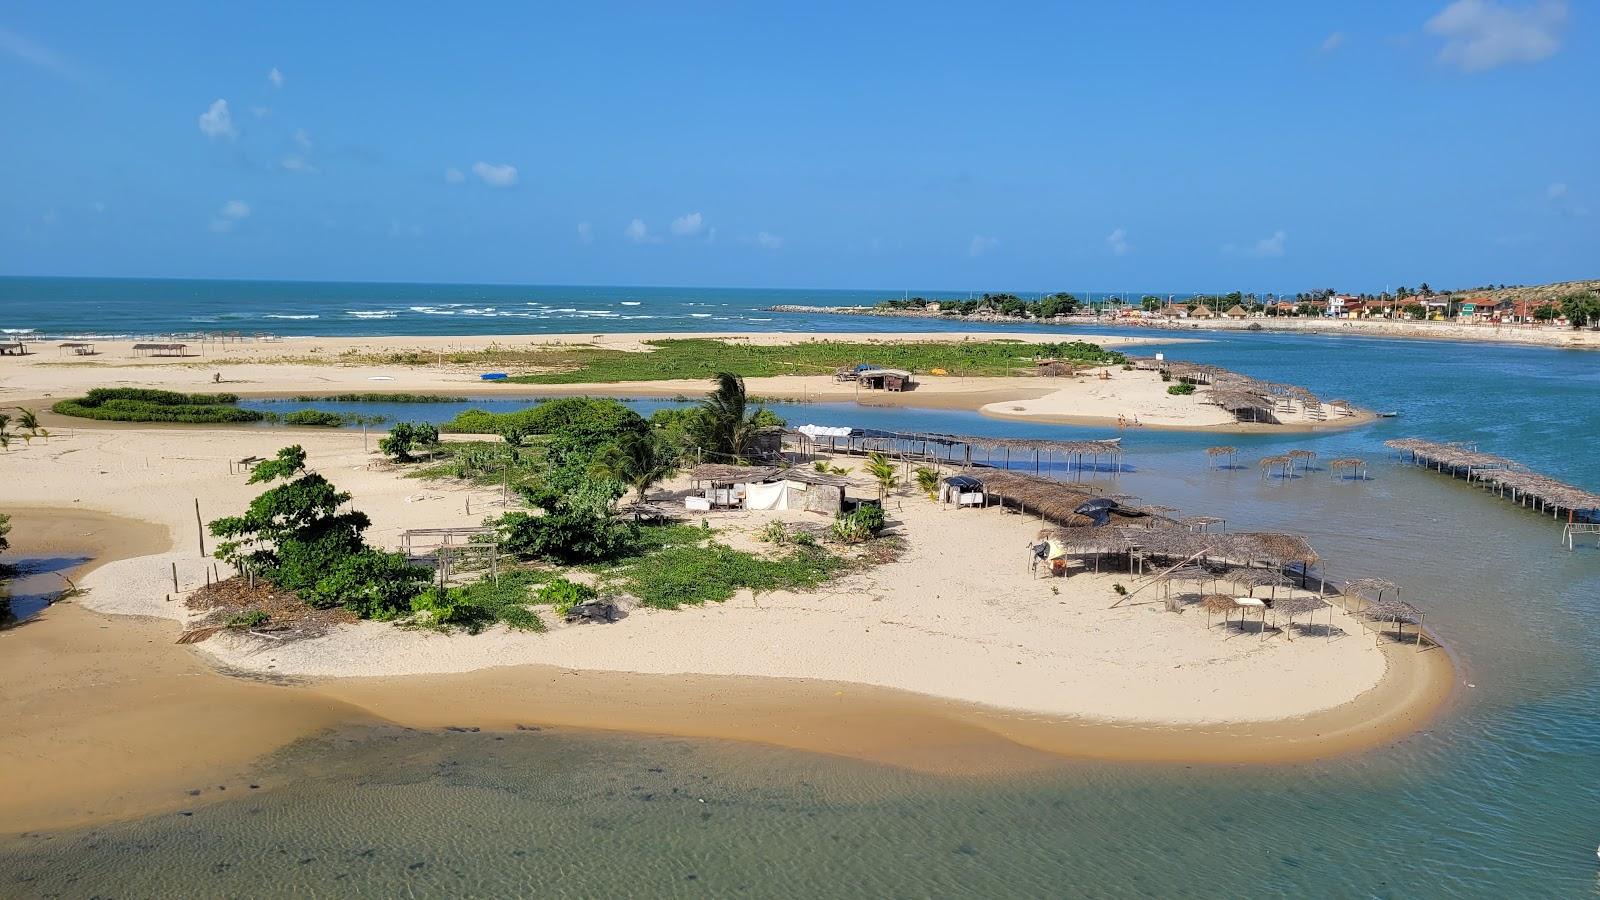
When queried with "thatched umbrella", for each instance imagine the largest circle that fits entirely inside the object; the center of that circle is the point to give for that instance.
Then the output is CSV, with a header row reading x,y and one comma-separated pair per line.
x,y
1280,464
1397,612
1355,465
1218,603
1214,454
1303,457
1294,606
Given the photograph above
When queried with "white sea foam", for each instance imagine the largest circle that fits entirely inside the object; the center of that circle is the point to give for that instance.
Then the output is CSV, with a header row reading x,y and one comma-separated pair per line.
x,y
699,315
630,303
283,316
371,313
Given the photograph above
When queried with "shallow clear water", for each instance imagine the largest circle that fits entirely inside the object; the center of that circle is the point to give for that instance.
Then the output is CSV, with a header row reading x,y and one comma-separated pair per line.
x,y
1501,798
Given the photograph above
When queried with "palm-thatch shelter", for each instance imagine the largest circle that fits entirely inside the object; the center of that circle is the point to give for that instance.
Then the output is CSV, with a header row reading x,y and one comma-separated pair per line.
x,y
1281,466
1348,468
1056,501
1214,456
1507,478
1302,458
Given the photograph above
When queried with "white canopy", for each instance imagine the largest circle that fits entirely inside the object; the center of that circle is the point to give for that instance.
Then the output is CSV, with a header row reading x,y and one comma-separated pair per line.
x,y
822,431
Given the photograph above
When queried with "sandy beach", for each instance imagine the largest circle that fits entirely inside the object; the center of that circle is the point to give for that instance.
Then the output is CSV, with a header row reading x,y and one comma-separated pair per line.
x,y
1042,667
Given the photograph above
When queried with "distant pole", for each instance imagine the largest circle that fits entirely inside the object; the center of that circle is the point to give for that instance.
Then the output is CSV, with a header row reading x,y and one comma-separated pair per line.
x,y
175,578
201,526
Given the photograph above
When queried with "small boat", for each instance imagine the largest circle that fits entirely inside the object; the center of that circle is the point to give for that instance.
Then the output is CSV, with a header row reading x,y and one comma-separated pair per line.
x,y
493,376
1387,414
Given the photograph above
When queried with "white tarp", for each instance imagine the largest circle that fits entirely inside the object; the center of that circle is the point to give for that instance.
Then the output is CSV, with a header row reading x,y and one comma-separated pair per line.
x,y
823,431
767,496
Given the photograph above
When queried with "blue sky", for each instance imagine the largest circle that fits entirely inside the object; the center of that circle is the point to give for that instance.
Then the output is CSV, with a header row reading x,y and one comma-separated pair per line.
x,y
1147,146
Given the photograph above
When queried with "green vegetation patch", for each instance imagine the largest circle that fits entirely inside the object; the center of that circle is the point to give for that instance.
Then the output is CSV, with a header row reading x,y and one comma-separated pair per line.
x,y
703,358
320,418
696,574
147,405
476,606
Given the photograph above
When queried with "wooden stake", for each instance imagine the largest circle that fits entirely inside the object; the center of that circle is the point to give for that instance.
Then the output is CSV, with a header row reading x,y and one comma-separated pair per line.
x,y
175,578
201,526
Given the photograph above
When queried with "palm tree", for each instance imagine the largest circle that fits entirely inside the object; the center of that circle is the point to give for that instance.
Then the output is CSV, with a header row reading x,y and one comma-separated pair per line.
x,y
4,421
28,419
730,425
45,433
882,469
640,460
5,441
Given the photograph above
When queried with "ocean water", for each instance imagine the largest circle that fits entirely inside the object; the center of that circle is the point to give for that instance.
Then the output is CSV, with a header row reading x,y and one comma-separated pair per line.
x,y
58,307
1499,798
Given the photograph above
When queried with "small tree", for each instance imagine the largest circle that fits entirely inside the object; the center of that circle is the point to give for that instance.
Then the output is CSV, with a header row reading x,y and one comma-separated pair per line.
x,y
405,437
882,469
927,481
639,460
27,418
292,534
5,529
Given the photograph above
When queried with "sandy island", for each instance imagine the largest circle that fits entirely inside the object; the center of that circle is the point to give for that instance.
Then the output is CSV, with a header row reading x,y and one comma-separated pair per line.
x,y
314,366
950,662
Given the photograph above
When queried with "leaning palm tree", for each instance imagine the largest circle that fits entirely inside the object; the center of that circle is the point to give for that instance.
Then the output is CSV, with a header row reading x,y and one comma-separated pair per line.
x,y
5,441
730,425
28,419
45,433
4,421
640,461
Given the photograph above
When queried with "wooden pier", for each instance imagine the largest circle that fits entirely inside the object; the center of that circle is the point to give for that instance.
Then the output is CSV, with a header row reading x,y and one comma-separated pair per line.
x,y
1508,479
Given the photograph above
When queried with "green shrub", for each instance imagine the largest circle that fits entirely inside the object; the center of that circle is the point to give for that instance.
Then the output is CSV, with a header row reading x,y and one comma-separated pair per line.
x,y
377,397
254,618
372,584
475,606
405,437
774,533
697,575
147,405
314,417
1180,390
563,595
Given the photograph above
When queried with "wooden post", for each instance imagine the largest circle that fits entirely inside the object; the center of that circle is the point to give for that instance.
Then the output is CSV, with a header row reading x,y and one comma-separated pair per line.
x,y
175,578
201,526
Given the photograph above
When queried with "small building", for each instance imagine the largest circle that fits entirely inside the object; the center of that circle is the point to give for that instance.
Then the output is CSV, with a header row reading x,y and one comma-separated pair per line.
x,y
1202,312
885,379
1236,312
1175,311
766,488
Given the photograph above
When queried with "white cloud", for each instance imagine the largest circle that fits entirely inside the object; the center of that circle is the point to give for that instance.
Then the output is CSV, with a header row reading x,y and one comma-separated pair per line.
x,y
217,122
454,175
495,175
979,245
1484,34
297,164
98,206
1332,42
768,240
302,139
688,225
275,78
399,229
37,55
230,215
1556,190
586,232
1273,245
261,112
639,233
1117,240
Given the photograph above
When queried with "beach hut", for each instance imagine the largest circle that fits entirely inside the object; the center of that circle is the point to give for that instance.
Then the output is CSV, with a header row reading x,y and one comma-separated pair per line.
x,y
1202,312
885,379
724,486
1236,312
